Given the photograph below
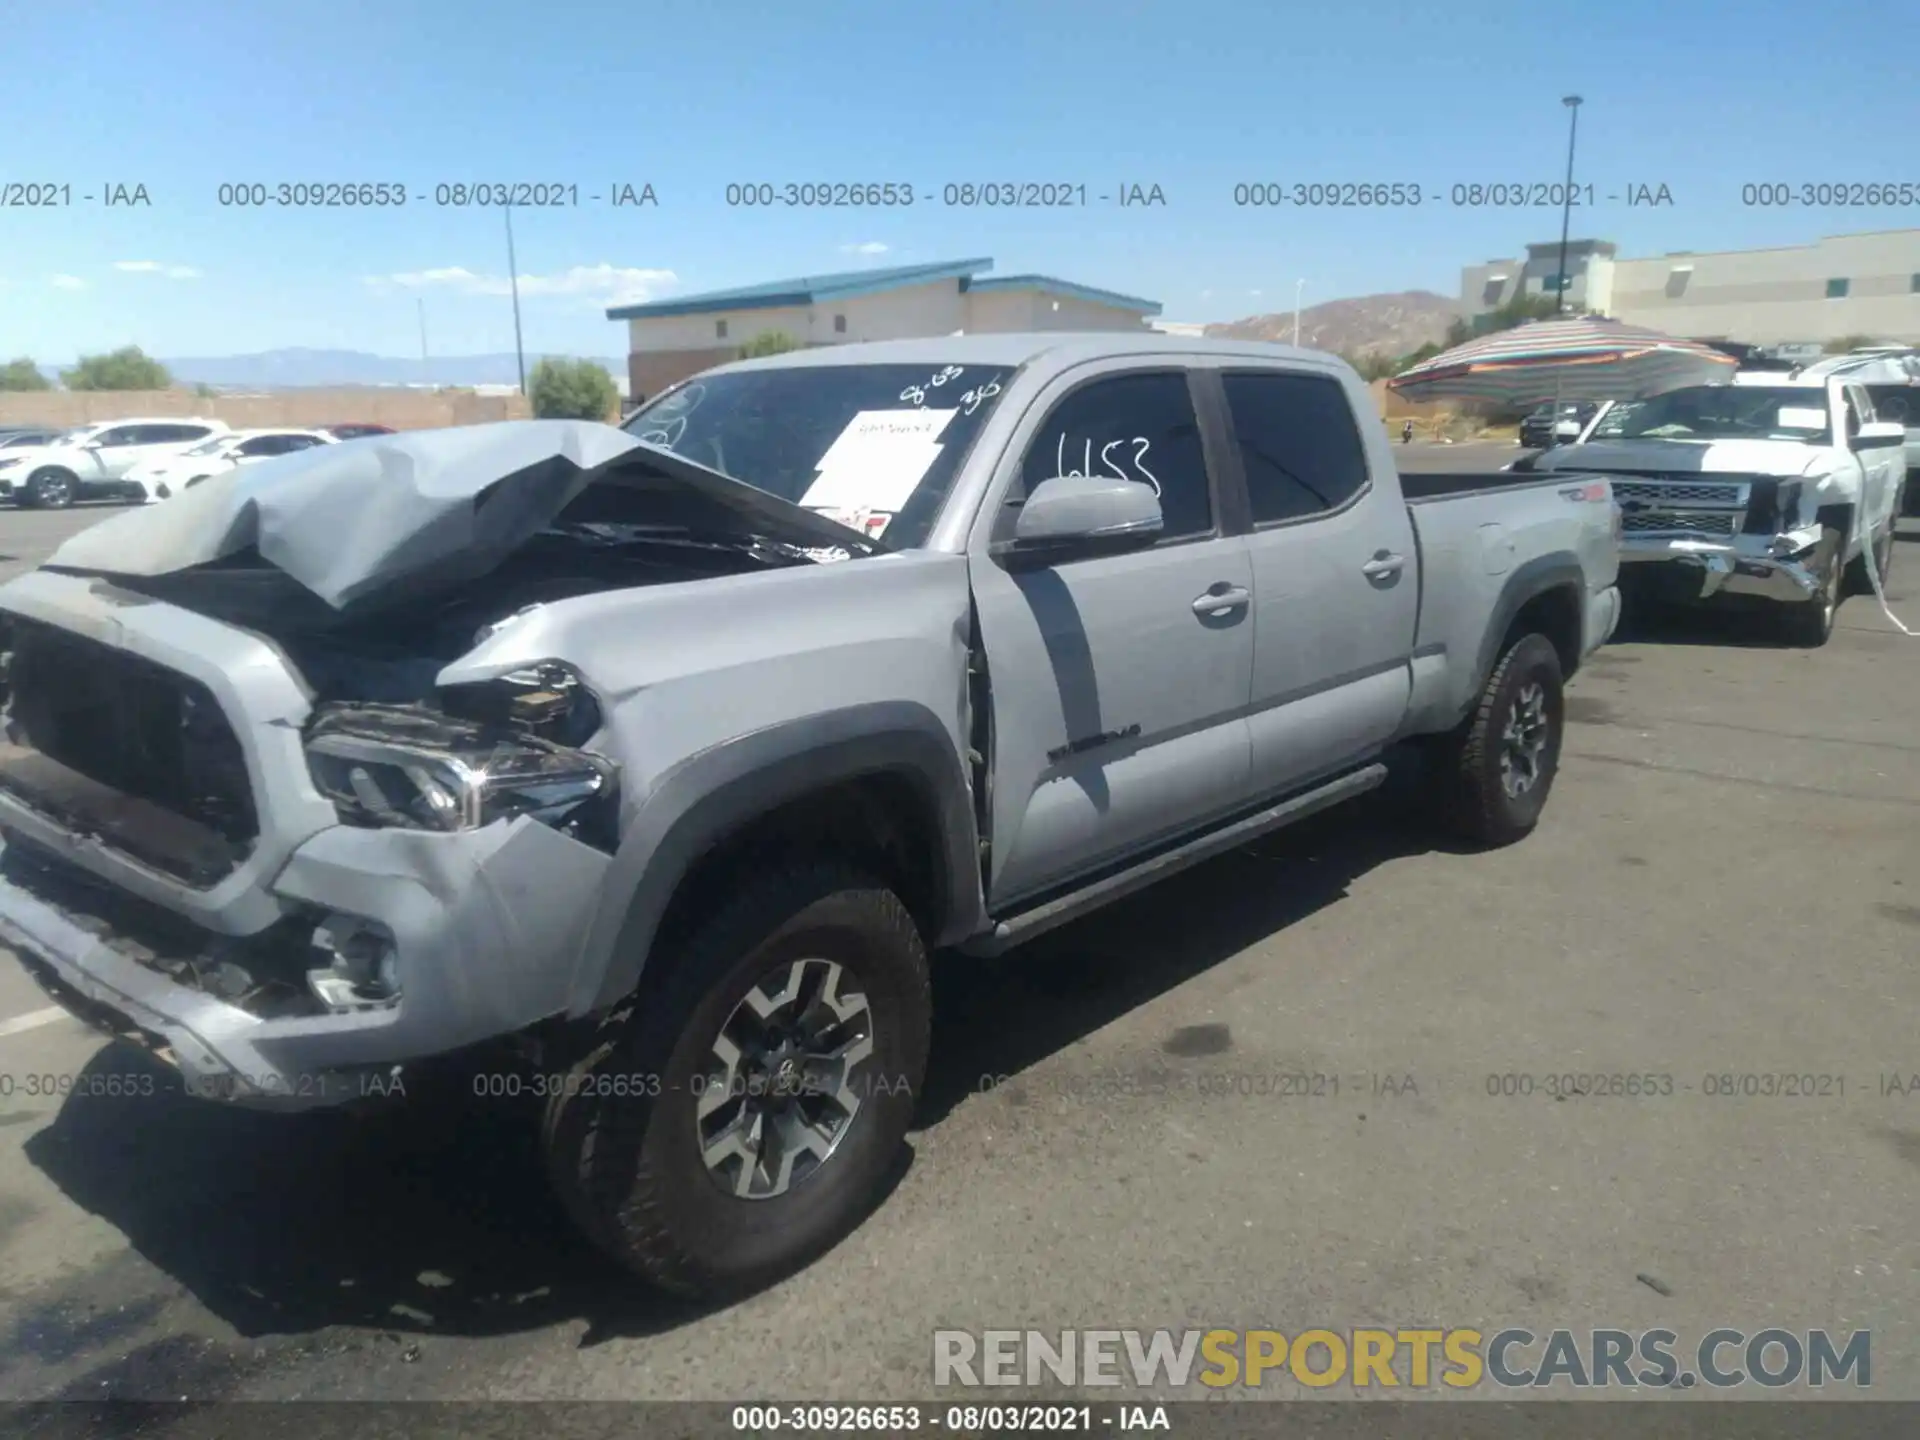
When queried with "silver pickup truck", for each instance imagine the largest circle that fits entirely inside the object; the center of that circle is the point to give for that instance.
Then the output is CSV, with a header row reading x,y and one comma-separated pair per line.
x,y
672,753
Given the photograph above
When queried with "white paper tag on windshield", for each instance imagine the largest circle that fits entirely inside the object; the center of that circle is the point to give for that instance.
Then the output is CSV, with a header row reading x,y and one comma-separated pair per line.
x,y
878,475
876,429
1792,418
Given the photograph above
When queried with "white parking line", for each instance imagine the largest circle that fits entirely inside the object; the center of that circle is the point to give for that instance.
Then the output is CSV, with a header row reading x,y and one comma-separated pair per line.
x,y
32,1020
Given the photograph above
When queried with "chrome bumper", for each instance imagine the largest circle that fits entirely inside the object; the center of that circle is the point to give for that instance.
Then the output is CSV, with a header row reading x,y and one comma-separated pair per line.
x,y
1760,567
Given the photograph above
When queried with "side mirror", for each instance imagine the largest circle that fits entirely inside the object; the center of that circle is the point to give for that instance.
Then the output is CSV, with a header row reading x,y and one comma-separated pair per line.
x,y
94,445
1075,517
1880,434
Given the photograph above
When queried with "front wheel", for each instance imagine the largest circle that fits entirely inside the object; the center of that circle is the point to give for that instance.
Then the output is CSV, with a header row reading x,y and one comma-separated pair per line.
x,y
1809,623
51,489
743,1117
1495,771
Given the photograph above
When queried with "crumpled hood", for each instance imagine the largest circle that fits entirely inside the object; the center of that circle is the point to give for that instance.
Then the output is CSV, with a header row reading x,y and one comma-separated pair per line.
x,y
1783,458
396,515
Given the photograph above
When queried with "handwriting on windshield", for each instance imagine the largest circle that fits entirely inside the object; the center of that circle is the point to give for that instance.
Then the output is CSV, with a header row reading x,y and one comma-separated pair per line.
x,y
917,394
1114,467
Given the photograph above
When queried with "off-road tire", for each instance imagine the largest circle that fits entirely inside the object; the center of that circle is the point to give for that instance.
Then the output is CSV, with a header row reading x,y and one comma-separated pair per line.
x,y
40,492
1473,802
1808,624
620,1134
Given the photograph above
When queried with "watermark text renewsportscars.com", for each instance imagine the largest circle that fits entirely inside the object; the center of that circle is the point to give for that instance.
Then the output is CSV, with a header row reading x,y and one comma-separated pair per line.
x,y
1412,1358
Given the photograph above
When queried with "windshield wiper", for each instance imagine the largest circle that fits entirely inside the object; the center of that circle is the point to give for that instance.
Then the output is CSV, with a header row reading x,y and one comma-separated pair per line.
x,y
739,542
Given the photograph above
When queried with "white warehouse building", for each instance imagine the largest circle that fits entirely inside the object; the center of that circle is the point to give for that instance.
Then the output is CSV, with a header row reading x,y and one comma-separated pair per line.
x,y
668,340
1843,285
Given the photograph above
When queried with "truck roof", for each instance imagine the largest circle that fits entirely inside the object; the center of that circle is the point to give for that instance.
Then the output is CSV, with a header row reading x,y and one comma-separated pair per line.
x,y
1061,347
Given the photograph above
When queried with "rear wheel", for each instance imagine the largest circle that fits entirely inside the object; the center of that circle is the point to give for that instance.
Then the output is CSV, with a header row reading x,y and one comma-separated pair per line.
x,y
1495,771
742,1118
52,488
1809,622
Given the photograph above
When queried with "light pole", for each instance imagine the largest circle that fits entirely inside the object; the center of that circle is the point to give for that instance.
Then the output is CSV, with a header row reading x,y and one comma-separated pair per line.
x,y
1572,102
513,276
1299,289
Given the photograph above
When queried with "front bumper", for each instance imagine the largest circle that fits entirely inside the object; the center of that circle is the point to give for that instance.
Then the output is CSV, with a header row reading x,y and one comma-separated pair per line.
x,y
1758,567
485,927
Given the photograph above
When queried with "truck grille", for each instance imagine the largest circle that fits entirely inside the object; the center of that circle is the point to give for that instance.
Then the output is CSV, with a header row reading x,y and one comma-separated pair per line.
x,y
1705,525
1672,493
111,745
1688,509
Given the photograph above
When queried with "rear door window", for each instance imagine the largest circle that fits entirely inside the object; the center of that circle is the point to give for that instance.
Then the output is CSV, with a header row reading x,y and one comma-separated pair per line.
x,y
1298,444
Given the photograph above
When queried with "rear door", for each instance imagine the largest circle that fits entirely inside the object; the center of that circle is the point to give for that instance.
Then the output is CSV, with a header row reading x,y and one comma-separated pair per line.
x,y
1335,575
1118,684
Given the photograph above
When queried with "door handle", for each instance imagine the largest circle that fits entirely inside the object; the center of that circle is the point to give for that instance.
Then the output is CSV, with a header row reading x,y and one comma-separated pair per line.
x,y
1221,598
1383,564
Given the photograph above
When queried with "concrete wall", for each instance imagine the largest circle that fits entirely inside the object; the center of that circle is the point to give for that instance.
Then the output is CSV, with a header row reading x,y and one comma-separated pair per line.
x,y
1771,296
1759,296
402,409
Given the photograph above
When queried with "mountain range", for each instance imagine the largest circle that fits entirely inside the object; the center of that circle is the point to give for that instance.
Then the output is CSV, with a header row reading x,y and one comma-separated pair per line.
x,y
1391,325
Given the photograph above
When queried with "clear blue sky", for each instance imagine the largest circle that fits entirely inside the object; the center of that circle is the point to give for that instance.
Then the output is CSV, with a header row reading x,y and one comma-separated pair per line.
x,y
1191,95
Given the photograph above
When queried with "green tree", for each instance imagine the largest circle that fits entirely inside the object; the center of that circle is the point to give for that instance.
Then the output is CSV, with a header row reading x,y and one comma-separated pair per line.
x,y
572,390
203,390
23,374
1844,343
127,368
768,342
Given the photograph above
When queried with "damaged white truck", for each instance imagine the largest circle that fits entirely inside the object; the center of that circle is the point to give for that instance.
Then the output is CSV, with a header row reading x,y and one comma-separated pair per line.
x,y
1777,492
671,754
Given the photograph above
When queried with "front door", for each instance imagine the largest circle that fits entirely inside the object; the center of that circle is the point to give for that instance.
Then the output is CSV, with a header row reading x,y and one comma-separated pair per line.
x,y
1119,684
1335,575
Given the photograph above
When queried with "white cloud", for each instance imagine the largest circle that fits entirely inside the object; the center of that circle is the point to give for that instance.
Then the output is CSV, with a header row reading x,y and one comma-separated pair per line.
x,y
870,247
154,267
67,282
603,283
1206,294
1256,292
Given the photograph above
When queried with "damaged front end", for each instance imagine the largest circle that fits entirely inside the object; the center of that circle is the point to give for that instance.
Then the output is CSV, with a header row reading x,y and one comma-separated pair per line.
x,y
416,767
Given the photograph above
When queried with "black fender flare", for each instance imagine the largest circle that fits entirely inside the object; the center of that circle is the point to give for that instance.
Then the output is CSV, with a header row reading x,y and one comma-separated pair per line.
x,y
1556,570
712,794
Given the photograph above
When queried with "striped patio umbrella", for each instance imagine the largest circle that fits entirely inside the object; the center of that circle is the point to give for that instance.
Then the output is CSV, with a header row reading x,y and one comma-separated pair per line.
x,y
1579,359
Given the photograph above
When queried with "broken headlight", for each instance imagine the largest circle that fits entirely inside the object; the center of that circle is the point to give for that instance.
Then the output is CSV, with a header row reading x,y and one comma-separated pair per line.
x,y
421,769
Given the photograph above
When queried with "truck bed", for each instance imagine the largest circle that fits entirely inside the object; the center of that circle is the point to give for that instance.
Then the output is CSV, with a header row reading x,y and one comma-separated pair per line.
x,y
1436,484
1474,530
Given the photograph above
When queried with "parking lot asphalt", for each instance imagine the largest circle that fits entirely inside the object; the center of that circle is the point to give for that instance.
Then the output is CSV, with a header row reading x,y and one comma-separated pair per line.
x,y
1726,884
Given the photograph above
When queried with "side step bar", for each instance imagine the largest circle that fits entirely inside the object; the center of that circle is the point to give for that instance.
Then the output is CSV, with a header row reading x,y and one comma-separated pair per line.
x,y
1024,926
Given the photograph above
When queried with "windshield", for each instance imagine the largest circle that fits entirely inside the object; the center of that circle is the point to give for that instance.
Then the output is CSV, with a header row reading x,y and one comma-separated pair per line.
x,y
1722,412
875,447
14,442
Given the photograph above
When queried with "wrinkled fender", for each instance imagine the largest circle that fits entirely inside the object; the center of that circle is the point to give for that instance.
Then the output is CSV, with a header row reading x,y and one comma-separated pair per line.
x,y
714,793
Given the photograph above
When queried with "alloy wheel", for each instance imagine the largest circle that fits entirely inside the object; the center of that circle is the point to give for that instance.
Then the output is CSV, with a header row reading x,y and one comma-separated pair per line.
x,y
779,1093
1523,742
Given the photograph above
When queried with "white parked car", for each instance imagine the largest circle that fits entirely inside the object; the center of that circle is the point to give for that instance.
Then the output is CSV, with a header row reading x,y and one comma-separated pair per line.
x,y
92,462
171,474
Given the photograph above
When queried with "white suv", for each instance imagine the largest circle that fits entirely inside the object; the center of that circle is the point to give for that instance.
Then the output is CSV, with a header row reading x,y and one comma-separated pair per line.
x,y
91,463
170,474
